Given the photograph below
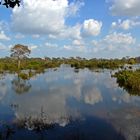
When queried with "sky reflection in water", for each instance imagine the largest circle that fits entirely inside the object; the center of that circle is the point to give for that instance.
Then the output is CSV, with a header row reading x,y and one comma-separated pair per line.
x,y
65,97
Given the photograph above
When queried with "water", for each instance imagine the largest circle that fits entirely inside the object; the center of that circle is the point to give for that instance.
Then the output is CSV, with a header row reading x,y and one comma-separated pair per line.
x,y
67,104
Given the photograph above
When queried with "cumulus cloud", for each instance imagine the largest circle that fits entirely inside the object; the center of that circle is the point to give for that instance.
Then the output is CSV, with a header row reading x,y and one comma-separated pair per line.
x,y
3,25
19,36
43,17
35,36
74,48
119,38
51,45
125,7
92,27
125,24
32,47
3,36
46,16
73,32
77,45
78,42
115,42
74,7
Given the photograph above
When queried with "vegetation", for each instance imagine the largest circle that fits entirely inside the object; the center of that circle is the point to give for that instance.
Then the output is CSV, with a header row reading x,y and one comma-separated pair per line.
x,y
40,64
27,67
129,80
19,61
96,63
20,85
10,3
19,52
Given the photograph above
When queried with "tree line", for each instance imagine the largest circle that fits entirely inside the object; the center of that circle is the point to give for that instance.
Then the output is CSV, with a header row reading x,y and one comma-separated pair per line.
x,y
19,60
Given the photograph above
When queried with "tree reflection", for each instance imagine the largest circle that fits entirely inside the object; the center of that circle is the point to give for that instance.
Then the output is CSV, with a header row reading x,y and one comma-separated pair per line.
x,y
21,82
3,86
21,85
2,75
6,132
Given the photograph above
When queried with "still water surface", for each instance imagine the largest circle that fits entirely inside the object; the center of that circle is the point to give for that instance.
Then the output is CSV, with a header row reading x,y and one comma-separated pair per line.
x,y
85,105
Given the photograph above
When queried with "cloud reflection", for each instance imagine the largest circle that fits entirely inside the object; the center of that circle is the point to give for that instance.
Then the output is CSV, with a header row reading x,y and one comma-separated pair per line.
x,y
63,96
93,96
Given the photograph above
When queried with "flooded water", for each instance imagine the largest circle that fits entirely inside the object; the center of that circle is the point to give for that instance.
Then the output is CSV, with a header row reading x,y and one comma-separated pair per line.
x,y
67,104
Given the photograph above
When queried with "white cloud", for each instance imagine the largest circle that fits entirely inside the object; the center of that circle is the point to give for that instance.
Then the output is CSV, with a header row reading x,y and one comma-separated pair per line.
x,y
19,36
119,38
32,47
3,36
92,27
75,48
71,32
78,42
114,24
43,17
115,44
35,36
51,45
74,7
2,46
125,7
3,25
125,24
46,16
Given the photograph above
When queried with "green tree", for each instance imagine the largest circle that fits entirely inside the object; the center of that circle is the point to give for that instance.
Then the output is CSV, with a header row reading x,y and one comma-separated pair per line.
x,y
131,61
19,52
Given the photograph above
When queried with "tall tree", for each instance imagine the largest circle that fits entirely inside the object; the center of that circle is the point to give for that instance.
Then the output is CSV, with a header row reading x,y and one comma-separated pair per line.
x,y
19,52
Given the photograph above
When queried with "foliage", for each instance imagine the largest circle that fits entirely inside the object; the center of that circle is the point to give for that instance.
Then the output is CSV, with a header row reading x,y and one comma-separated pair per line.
x,y
19,52
129,80
39,64
11,3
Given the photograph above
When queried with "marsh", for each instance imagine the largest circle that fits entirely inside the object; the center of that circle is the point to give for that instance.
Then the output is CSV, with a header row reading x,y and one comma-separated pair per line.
x,y
66,104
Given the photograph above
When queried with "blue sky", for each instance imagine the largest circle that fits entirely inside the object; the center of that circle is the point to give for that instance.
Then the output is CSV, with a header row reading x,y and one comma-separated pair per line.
x,y
64,28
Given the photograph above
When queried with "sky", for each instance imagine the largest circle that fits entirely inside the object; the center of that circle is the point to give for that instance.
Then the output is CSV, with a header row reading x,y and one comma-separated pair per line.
x,y
70,28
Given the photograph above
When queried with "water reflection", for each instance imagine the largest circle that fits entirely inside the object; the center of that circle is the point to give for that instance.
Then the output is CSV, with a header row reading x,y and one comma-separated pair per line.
x,y
3,87
85,101
91,129
92,96
3,90
20,85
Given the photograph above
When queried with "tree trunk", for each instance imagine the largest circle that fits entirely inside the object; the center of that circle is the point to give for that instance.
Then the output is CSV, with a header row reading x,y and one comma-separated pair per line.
x,y
18,64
